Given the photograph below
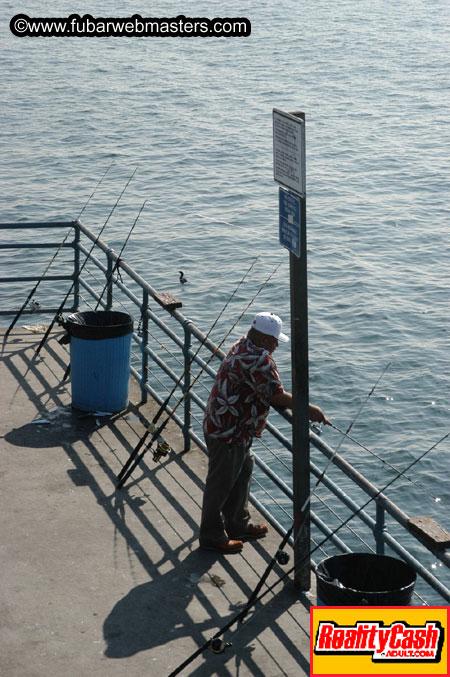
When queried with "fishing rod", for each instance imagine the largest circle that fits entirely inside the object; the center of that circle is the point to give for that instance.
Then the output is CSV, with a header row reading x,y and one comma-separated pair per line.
x,y
133,461
360,509
389,465
210,643
60,246
126,470
76,278
94,191
327,538
110,275
118,260
279,555
152,426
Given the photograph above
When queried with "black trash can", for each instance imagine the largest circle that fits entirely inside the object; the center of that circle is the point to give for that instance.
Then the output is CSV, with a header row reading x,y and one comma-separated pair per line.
x,y
359,579
100,355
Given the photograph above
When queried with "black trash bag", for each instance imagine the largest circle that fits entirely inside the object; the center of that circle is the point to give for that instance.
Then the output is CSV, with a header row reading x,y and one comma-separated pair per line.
x,y
98,324
364,579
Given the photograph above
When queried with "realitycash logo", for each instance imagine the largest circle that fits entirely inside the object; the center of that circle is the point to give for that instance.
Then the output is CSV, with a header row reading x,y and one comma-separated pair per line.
x,y
398,642
379,640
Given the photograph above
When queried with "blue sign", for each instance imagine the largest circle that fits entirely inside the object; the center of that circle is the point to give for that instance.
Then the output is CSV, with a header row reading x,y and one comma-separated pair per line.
x,y
289,210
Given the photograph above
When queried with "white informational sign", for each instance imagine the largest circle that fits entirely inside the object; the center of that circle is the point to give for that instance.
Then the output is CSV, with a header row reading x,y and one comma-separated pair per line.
x,y
289,151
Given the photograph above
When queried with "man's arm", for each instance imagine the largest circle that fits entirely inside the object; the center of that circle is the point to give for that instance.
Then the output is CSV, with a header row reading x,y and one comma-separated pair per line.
x,y
284,399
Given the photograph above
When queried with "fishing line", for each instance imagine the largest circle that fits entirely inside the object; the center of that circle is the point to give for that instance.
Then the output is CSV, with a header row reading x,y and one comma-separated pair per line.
x,y
276,456
60,246
274,499
121,476
94,191
435,499
110,276
360,509
61,307
126,470
254,595
344,435
117,263
125,473
246,608
300,514
334,513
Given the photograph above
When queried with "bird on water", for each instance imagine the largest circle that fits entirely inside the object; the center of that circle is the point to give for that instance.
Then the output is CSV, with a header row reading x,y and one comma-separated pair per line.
x,y
183,279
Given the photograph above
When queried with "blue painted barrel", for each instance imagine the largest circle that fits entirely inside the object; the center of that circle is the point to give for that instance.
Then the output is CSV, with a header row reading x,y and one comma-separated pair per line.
x,y
359,579
100,354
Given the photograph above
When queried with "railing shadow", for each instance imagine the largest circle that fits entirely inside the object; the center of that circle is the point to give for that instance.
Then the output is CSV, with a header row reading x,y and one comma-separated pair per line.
x,y
155,611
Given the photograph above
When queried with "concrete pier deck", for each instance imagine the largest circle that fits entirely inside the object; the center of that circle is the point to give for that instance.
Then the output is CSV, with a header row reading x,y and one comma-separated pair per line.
x,y
102,582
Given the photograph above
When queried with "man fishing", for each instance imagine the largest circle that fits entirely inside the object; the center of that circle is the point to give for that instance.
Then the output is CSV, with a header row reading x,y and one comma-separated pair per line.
x,y
247,384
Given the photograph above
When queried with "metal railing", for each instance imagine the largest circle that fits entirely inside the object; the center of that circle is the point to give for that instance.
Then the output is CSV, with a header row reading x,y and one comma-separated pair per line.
x,y
161,354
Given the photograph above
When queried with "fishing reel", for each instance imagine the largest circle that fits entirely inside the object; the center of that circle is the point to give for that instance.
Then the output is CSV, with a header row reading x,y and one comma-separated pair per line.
x,y
65,338
59,319
162,449
139,329
218,645
282,557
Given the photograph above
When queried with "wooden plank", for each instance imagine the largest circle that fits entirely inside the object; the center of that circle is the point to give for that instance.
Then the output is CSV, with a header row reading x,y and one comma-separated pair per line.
x,y
168,301
428,529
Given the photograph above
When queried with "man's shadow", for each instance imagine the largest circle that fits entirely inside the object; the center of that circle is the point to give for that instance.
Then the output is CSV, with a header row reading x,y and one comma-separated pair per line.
x,y
156,612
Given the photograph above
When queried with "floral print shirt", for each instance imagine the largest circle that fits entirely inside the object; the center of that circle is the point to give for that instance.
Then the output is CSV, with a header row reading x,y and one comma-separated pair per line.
x,y
239,403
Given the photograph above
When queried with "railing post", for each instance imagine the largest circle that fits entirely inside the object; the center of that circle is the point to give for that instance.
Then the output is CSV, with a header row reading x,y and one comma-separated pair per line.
x,y
144,330
187,384
379,528
76,266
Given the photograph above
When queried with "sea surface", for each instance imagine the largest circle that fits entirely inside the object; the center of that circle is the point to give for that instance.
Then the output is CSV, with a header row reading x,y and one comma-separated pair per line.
x,y
194,116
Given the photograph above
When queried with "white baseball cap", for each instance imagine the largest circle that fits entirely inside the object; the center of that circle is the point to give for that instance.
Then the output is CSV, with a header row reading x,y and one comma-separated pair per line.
x,y
268,323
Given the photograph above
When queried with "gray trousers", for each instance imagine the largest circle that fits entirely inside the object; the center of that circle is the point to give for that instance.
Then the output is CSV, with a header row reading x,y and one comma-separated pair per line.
x,y
225,500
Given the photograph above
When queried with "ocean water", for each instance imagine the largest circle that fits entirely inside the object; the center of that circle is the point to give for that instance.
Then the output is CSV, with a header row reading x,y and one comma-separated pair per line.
x,y
194,115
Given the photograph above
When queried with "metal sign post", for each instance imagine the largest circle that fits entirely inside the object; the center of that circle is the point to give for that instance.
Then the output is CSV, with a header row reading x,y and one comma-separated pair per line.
x,y
289,171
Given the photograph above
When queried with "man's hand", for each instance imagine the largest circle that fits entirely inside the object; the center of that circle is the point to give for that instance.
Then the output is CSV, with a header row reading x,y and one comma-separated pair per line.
x,y
284,400
317,416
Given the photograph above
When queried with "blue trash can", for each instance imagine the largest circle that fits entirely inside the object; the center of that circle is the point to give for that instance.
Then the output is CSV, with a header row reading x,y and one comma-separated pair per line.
x,y
100,354
359,579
